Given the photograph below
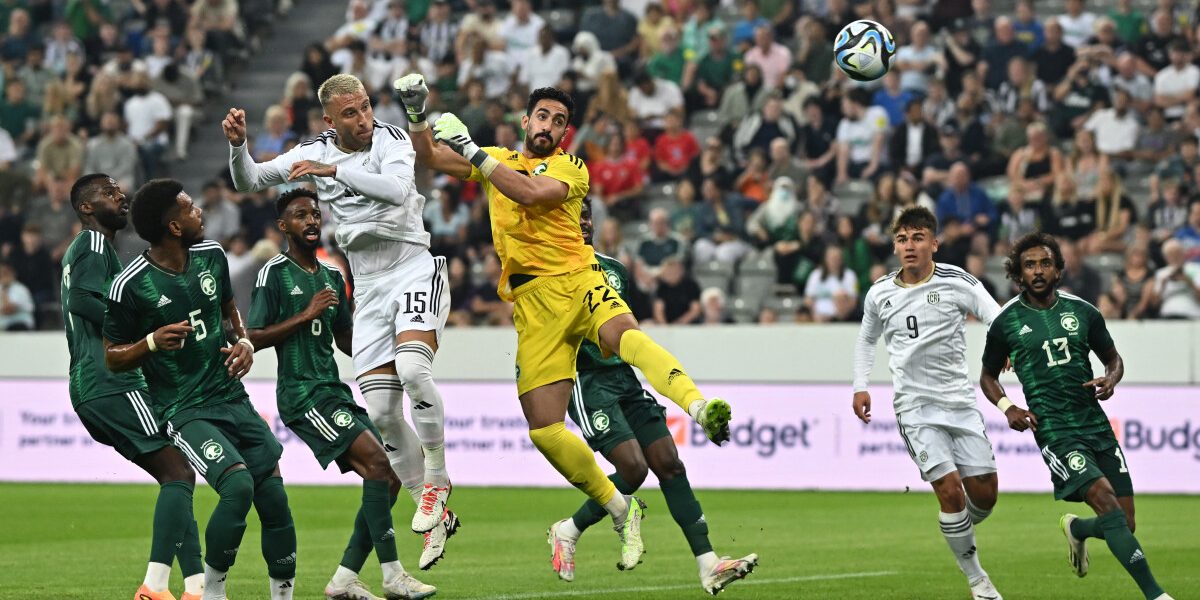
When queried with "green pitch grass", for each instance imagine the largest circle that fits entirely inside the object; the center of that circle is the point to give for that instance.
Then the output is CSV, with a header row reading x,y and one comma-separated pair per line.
x,y
91,541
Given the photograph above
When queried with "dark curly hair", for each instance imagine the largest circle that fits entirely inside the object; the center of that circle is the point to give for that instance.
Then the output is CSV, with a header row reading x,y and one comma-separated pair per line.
x,y
290,196
153,204
550,93
1036,239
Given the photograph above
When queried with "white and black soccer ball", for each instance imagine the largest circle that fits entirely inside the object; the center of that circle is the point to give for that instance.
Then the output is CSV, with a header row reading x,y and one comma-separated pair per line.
x,y
864,49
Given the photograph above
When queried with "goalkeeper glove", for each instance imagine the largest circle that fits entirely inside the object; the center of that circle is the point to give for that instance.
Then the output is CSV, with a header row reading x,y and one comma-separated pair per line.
x,y
411,91
451,130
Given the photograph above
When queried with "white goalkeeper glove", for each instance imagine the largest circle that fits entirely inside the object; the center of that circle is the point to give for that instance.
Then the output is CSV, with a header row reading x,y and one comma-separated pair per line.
x,y
451,130
412,92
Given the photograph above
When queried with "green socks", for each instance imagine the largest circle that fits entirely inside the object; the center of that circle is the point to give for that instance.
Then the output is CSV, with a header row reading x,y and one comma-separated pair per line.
x,y
361,540
172,518
189,552
227,524
686,511
591,512
278,529
1087,528
1128,551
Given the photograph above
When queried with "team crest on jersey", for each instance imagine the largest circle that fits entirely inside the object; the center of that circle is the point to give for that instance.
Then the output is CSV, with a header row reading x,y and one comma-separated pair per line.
x,y
1076,461
538,170
933,297
1069,322
614,282
924,457
600,421
208,284
342,418
212,451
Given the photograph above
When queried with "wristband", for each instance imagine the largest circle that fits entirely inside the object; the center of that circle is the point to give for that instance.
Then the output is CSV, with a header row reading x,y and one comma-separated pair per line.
x,y
415,126
248,343
485,162
150,342
1004,404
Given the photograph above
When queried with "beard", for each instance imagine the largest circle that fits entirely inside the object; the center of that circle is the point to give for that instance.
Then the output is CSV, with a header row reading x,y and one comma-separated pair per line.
x,y
536,143
113,220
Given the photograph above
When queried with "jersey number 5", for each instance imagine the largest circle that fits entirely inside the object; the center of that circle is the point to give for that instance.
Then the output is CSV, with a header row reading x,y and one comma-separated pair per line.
x,y
198,325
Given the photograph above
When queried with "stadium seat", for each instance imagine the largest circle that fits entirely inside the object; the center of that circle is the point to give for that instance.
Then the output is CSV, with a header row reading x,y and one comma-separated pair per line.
x,y
713,274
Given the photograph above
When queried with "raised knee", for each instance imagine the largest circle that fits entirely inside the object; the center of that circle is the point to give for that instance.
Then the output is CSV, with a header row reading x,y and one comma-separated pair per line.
x,y
237,488
669,470
414,362
634,473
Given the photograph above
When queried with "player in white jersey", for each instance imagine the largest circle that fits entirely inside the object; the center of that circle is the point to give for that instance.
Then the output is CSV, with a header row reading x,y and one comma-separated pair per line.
x,y
363,170
920,310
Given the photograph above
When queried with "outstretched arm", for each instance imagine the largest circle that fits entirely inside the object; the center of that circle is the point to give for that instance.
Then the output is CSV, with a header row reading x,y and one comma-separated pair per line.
x,y
249,176
411,91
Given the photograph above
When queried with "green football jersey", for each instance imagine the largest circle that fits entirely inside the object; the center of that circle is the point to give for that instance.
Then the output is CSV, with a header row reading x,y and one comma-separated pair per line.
x,y
307,370
144,297
1049,351
89,265
590,357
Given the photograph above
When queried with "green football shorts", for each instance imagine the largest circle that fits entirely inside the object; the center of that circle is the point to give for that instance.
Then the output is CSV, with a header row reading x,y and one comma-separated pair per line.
x,y
610,406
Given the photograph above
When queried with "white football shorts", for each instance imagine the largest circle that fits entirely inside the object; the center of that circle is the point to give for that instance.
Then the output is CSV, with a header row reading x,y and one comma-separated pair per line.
x,y
413,295
942,440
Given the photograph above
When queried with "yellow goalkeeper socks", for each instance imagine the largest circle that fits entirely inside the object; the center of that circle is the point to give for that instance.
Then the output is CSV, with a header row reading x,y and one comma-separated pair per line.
x,y
661,369
572,457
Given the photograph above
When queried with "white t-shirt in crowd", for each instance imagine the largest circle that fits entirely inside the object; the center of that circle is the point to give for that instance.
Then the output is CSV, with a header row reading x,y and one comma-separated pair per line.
x,y
859,134
143,112
1170,81
1114,134
1076,30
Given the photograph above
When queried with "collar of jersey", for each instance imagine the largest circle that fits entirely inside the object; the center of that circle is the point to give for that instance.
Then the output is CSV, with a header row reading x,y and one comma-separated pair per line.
x,y
300,266
900,282
150,261
1057,298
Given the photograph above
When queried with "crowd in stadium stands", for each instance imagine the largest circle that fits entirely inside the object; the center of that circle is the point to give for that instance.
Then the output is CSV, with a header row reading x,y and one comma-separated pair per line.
x,y
740,175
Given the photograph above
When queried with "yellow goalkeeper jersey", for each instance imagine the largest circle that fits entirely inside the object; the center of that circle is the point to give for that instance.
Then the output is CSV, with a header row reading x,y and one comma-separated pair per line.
x,y
535,240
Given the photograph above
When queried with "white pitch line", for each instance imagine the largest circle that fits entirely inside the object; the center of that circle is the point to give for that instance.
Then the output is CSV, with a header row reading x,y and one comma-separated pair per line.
x,y
665,588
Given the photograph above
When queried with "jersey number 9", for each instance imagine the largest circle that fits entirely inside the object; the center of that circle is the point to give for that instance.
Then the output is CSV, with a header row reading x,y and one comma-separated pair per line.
x,y
911,321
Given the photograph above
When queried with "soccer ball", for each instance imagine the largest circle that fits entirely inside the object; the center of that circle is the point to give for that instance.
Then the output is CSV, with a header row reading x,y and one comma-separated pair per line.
x,y
864,50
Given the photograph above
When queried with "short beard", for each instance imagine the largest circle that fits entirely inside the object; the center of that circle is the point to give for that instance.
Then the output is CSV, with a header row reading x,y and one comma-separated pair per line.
x,y
112,221
529,142
300,243
1050,289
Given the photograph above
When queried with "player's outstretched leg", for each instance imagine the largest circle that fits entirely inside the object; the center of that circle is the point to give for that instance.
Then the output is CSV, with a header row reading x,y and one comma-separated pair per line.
x,y
226,526
384,396
1112,526
666,375
414,367
278,535
959,531
172,522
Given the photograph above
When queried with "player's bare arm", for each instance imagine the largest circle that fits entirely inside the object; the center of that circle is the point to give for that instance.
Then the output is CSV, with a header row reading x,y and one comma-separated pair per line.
x,y
311,167
1114,371
1019,418
241,353
273,334
126,357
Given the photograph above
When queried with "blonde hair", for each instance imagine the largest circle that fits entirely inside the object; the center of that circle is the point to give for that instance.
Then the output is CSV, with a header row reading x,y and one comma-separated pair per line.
x,y
292,80
274,111
338,85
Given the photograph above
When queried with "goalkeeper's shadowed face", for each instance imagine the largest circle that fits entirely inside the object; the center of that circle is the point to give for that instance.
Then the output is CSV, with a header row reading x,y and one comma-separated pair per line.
x,y
545,127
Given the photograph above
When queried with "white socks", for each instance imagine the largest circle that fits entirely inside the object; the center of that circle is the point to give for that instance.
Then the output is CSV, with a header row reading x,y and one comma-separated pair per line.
x,y
960,535
391,570
281,589
977,514
706,562
158,576
342,577
568,529
618,507
695,407
214,583
384,396
194,584
414,366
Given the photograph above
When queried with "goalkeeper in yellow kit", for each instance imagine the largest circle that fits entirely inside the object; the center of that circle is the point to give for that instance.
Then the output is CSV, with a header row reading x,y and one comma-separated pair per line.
x,y
558,290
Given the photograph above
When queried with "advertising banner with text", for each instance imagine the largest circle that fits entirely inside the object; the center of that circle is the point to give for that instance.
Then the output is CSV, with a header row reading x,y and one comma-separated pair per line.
x,y
793,436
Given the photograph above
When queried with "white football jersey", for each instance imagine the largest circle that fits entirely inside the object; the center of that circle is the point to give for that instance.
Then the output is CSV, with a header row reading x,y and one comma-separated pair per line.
x,y
373,197
922,326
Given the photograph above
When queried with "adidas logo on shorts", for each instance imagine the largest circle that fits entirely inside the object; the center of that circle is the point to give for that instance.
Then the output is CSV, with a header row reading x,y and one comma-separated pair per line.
x,y
417,319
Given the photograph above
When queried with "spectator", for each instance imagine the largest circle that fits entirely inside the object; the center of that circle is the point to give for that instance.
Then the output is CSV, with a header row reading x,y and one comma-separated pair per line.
x,y
744,28
719,227
914,141
918,60
148,114
358,28
1139,87
1156,142
1085,164
1189,233
997,54
651,100
961,54
482,63
783,163
520,30
317,65
1016,220
16,303
616,29
617,177
34,264
545,62
860,138
59,159
955,243
892,99
371,70
753,183
1035,167
438,32
590,62
1131,23
185,97
1132,287
1175,285
486,305
831,292
856,250
661,244
686,213
739,99
774,217
1077,24
1070,216
18,116
203,65
391,29
103,46
965,201
667,62
936,169
55,222
698,29
219,20
1028,29
36,74
1115,129
760,129
20,37
978,269
821,203
62,44
1020,85
59,102
448,219
674,149
112,152
652,27
820,136
387,110
1175,85
222,219
713,164
1116,217
1075,98
712,303
1153,49
1167,213
772,57
814,53
276,134
677,296
706,78
1077,277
